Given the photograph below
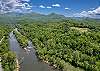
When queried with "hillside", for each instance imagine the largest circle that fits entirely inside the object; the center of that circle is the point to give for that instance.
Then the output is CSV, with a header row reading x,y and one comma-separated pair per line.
x,y
13,17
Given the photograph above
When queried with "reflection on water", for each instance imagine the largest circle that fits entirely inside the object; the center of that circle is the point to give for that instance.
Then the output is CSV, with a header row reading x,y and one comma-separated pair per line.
x,y
26,57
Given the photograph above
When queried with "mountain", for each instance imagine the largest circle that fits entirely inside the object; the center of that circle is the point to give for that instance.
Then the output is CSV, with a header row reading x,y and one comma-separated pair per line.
x,y
44,18
56,16
13,17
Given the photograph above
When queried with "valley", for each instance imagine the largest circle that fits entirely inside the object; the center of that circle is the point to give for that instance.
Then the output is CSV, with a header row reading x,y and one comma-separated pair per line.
x,y
50,45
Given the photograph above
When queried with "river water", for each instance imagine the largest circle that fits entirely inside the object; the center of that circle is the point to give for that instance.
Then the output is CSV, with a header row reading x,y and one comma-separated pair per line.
x,y
27,58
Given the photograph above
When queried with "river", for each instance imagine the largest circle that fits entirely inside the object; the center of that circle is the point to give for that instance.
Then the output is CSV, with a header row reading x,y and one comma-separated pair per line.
x,y
27,57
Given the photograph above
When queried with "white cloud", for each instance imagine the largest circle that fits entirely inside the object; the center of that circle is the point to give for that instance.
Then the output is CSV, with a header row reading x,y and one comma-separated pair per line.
x,y
26,0
41,6
96,11
26,6
49,7
14,6
82,14
67,8
92,8
18,10
92,13
56,5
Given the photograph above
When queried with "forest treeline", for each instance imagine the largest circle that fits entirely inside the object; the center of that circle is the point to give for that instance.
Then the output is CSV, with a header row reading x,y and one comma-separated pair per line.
x,y
65,42
68,45
6,56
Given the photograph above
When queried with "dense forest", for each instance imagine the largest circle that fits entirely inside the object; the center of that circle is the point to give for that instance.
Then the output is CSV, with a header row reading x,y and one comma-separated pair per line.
x,y
7,57
68,45
49,35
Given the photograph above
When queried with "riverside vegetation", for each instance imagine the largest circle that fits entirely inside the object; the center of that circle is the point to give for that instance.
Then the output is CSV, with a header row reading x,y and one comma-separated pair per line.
x,y
68,45
23,41
7,57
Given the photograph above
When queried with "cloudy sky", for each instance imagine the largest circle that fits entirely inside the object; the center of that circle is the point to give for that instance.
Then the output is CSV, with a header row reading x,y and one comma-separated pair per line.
x,y
77,8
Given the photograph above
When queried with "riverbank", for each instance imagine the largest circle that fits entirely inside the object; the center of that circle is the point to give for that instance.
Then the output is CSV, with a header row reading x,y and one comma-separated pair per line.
x,y
1,69
27,58
17,65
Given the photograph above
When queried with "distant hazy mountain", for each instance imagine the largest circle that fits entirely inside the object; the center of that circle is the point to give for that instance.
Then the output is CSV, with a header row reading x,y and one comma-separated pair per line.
x,y
13,17
56,16
41,17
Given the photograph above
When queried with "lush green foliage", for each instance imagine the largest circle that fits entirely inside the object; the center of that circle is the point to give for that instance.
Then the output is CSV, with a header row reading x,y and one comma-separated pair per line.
x,y
4,29
7,57
23,41
69,45
58,44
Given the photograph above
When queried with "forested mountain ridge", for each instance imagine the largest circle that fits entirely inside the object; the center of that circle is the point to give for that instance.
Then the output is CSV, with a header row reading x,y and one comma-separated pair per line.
x,y
53,17
13,17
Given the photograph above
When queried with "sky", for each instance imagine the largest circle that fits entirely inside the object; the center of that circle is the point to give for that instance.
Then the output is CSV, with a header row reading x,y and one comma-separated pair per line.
x,y
69,8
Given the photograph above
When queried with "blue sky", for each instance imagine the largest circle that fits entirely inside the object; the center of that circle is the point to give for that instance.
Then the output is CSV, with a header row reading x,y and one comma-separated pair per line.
x,y
72,6
77,8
